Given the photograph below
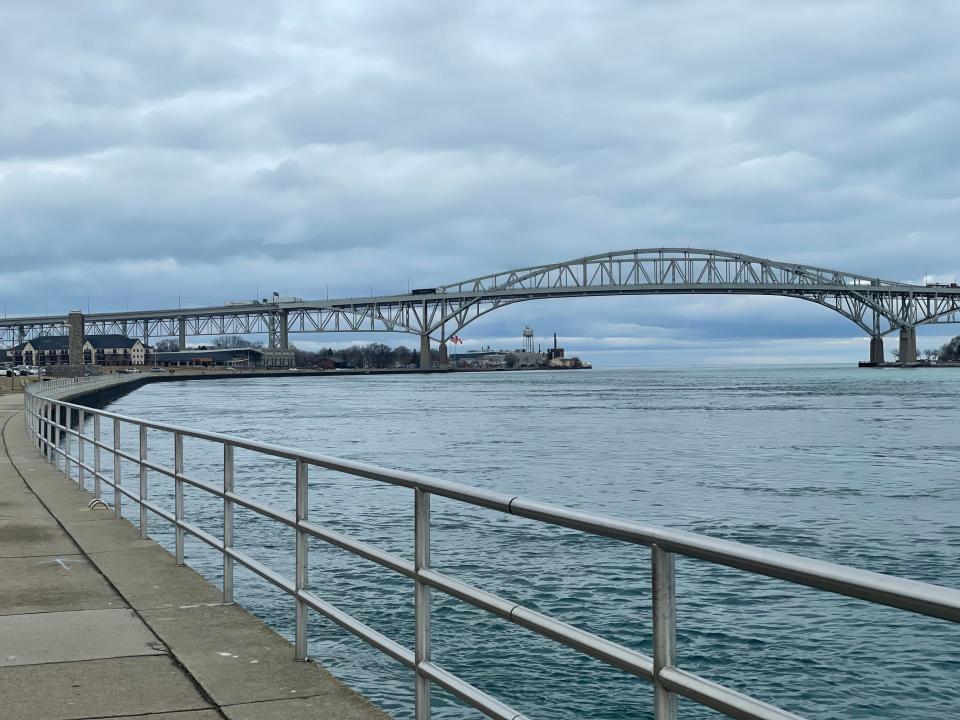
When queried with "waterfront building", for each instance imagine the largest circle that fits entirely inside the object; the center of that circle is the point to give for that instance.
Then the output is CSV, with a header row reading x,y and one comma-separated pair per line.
x,y
97,350
331,363
226,357
487,359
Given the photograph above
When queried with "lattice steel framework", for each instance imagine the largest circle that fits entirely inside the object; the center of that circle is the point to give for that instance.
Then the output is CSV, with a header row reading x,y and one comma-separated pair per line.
x,y
877,306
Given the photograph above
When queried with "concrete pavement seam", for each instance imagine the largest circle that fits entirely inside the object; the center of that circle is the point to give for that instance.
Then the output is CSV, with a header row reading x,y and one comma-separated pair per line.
x,y
176,661
146,714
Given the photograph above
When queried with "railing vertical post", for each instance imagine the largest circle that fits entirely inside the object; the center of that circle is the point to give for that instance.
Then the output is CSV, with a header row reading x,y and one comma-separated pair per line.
x,y
54,442
664,630
303,556
421,530
51,436
81,473
143,482
117,512
54,435
227,523
96,455
67,416
45,429
178,493
64,441
48,434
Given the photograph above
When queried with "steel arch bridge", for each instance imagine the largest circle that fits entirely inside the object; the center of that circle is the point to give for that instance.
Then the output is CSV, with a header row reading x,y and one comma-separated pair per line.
x,y
877,306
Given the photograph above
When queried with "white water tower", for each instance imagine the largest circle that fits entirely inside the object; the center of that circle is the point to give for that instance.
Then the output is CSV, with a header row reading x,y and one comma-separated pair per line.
x,y
528,339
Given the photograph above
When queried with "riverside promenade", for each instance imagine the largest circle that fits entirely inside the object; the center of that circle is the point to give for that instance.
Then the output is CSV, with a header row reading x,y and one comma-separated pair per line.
x,y
97,623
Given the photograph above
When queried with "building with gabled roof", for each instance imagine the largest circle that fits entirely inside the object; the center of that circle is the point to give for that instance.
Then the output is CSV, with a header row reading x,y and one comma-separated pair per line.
x,y
97,350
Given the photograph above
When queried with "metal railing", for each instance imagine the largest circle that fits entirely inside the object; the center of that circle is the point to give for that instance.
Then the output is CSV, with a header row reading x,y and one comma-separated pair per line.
x,y
51,424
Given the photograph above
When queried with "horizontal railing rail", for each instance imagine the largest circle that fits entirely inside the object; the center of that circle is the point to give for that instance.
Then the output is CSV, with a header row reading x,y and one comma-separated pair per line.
x,y
56,425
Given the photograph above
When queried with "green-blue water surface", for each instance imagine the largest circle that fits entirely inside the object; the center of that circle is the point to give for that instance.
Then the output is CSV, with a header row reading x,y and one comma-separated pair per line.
x,y
853,466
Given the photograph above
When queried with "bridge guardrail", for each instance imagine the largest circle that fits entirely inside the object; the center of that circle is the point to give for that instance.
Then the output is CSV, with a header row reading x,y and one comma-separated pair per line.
x,y
50,424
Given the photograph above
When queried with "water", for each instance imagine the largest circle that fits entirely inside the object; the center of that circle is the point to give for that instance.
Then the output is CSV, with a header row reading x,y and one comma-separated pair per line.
x,y
853,466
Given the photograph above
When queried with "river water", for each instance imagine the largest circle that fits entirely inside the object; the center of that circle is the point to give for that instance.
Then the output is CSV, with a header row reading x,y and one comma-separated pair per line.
x,y
847,465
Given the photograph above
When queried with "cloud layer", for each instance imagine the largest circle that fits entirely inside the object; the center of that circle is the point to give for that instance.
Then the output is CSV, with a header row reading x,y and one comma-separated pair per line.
x,y
214,150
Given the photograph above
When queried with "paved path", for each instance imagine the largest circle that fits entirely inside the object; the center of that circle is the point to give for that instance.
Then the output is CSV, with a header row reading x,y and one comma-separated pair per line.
x,y
96,623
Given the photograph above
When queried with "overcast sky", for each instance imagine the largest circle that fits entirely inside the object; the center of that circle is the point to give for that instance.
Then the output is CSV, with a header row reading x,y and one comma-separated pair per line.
x,y
213,151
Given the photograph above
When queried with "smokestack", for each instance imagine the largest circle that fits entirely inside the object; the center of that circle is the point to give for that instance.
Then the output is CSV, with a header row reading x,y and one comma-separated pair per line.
x,y
554,341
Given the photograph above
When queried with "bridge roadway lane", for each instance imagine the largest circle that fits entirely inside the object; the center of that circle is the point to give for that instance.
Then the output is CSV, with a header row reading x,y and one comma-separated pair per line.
x,y
96,623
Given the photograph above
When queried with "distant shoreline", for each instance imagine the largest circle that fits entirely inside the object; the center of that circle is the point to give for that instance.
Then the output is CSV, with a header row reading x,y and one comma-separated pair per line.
x,y
910,366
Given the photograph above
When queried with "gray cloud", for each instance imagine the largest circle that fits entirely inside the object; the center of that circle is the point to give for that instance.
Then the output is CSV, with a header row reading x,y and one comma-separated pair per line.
x,y
214,148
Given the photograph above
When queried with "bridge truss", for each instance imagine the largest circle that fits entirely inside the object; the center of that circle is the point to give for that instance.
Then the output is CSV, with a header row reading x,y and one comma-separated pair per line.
x,y
877,306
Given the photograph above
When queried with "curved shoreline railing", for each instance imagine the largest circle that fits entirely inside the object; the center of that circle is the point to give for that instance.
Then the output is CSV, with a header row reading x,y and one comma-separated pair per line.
x,y
50,424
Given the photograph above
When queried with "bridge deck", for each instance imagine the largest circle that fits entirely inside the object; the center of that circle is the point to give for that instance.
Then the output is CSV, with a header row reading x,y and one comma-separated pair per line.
x,y
95,622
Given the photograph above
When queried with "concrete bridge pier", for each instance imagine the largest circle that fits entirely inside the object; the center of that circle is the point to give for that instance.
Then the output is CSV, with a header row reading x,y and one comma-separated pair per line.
x,y
75,340
876,350
182,329
285,330
425,362
444,361
272,331
908,345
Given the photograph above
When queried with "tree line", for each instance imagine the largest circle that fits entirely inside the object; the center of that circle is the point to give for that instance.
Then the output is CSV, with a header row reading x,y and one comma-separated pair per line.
x,y
371,355
950,352
223,342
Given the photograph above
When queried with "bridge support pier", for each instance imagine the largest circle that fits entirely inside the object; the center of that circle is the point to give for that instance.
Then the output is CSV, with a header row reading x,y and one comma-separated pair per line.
x,y
876,350
272,331
425,360
182,328
284,330
75,340
908,345
444,361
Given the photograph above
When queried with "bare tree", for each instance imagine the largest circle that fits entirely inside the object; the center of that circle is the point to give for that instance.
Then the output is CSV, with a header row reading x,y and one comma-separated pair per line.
x,y
951,351
402,355
235,341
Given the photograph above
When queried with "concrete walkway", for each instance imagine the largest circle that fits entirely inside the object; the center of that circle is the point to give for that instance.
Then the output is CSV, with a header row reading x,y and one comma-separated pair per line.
x,y
96,623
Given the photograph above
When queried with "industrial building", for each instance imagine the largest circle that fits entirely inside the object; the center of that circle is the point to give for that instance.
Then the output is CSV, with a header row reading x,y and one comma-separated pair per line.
x,y
525,358
226,357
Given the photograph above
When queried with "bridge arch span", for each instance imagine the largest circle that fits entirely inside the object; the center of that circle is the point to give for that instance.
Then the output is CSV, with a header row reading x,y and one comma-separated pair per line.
x,y
668,271
876,306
